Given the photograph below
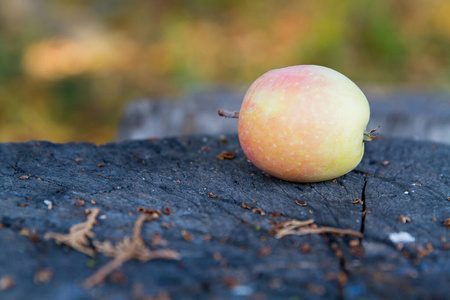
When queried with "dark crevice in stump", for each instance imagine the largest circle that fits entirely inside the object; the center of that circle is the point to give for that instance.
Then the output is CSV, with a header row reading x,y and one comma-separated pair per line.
x,y
363,208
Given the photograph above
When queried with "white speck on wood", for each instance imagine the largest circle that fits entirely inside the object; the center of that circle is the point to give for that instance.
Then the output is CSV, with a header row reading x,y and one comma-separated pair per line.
x,y
401,237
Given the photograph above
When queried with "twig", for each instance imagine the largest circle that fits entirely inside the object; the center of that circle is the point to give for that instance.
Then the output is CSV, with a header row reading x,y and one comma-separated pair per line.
x,y
125,250
285,228
78,236
320,230
228,114
296,227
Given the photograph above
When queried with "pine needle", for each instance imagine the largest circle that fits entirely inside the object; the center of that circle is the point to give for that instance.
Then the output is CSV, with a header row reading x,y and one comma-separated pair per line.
x,y
296,227
78,236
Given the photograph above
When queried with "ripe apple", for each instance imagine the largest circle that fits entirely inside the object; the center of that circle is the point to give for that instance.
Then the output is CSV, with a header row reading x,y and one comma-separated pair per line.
x,y
304,123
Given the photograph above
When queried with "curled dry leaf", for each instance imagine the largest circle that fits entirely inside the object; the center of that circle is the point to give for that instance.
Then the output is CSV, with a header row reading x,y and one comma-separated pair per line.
x,y
446,223
275,214
301,203
404,219
167,210
154,213
80,203
78,236
127,249
187,236
259,211
357,200
225,155
243,205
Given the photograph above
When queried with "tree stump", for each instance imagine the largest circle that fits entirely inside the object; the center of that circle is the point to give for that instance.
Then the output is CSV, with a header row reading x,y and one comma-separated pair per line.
x,y
219,216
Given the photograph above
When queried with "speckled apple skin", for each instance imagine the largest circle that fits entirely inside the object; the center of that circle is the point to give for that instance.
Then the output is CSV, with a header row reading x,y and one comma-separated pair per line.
x,y
304,123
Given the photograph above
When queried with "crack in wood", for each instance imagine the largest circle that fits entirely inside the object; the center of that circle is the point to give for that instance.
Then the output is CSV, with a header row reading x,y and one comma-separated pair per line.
x,y
363,207
341,279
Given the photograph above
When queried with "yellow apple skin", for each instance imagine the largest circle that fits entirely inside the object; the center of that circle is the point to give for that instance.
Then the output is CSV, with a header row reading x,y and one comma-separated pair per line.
x,y
304,123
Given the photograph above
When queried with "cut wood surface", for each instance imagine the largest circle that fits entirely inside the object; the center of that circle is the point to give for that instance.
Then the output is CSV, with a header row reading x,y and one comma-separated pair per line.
x,y
221,217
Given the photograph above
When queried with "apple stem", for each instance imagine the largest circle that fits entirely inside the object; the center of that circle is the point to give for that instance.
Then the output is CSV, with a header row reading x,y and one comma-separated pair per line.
x,y
368,135
228,114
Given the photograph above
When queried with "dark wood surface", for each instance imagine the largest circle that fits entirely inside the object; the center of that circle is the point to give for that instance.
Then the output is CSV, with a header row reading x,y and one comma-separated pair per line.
x,y
241,260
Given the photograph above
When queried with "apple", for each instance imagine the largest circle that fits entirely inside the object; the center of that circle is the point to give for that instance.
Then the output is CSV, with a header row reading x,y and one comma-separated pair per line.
x,y
304,123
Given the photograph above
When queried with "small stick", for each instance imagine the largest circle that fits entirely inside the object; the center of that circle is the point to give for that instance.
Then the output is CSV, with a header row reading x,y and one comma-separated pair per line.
x,y
303,231
368,136
228,114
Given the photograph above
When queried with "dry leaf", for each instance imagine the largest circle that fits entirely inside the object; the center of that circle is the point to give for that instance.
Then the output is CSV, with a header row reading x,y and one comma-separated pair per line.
x,y
79,234
446,223
305,248
259,211
404,219
125,250
225,155
243,205
187,236
42,276
6,282
301,203
357,200
167,210
275,214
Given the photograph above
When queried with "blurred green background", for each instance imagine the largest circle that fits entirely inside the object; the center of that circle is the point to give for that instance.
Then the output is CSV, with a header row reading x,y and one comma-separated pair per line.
x,y
67,68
